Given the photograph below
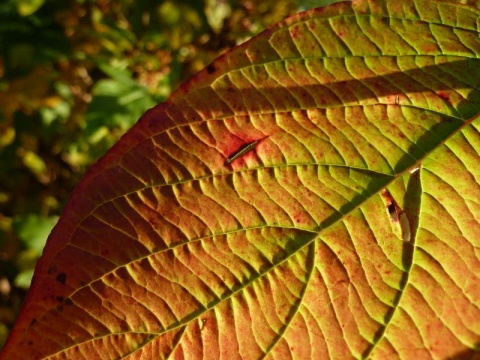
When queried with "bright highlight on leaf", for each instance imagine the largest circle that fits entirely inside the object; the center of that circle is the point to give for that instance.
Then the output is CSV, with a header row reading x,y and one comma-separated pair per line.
x,y
351,229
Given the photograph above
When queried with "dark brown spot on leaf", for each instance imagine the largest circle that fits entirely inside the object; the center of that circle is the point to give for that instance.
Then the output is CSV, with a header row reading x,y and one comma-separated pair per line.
x,y
444,95
211,69
62,277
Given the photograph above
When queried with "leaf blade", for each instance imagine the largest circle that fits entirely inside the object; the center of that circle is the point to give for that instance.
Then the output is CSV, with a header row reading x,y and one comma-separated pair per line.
x,y
292,228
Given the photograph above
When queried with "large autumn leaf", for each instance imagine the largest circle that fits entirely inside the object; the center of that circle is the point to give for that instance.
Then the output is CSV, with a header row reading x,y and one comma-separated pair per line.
x,y
313,193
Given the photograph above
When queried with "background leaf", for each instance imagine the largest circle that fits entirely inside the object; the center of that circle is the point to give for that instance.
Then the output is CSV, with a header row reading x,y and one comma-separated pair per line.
x,y
296,248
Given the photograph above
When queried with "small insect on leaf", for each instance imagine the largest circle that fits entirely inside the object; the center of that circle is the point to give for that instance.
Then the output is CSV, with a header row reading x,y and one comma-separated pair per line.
x,y
242,151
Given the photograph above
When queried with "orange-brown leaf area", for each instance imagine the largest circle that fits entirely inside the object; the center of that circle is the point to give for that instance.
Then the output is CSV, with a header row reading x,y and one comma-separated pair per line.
x,y
75,77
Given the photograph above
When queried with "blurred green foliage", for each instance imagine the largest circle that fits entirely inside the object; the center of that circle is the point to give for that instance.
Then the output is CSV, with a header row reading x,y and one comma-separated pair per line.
x,y
74,76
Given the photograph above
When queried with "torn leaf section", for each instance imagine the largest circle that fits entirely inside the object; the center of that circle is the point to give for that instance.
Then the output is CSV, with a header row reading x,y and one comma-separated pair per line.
x,y
398,217
405,227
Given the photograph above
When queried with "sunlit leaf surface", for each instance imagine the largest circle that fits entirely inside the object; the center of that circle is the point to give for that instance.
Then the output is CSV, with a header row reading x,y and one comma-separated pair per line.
x,y
311,194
